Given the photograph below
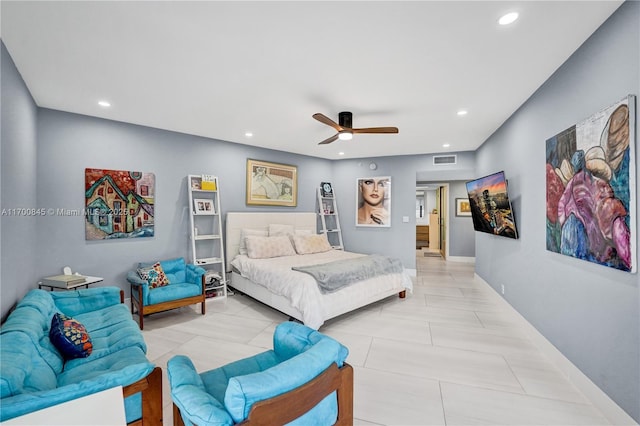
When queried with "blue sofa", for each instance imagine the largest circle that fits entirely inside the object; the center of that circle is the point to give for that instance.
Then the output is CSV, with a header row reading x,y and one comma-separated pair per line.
x,y
34,375
186,287
304,380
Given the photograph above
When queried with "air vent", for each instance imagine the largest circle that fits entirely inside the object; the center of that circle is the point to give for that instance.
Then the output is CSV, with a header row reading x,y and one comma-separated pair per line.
x,y
439,160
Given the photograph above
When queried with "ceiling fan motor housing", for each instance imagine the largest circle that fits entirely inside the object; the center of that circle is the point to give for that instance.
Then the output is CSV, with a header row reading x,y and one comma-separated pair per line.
x,y
345,119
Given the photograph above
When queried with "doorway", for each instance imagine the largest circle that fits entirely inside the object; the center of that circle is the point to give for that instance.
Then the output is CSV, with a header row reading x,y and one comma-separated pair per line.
x,y
432,218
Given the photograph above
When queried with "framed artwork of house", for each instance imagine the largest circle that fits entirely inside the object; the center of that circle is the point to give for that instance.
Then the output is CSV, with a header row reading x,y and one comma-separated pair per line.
x,y
118,204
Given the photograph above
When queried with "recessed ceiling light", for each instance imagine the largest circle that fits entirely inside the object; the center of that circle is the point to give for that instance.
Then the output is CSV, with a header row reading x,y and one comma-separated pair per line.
x,y
446,145
509,18
462,112
341,153
104,104
248,134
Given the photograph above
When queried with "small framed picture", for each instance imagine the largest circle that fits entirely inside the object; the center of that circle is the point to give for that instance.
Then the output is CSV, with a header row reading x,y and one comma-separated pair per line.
x,y
203,206
326,190
196,183
463,207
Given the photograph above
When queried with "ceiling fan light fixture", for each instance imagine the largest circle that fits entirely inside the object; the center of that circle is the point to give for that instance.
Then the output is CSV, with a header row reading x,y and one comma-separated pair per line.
x,y
345,135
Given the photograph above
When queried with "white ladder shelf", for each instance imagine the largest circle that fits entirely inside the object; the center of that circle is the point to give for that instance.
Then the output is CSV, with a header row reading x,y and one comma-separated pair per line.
x,y
329,218
205,221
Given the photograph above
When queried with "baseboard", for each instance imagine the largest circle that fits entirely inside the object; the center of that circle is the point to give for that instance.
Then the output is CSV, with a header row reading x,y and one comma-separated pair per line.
x,y
602,401
461,259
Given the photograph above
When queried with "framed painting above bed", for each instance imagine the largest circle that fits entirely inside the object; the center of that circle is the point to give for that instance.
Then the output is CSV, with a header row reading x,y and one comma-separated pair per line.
x,y
271,184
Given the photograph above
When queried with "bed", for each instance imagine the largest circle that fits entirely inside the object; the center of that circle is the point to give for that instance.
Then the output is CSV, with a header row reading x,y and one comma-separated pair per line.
x,y
273,282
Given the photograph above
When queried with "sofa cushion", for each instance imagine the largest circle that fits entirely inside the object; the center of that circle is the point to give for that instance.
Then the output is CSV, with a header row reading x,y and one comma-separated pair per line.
x,y
216,381
94,368
22,369
174,291
28,319
175,270
70,337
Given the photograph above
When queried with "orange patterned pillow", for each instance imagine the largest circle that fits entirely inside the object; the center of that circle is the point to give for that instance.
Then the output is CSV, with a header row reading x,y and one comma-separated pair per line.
x,y
157,277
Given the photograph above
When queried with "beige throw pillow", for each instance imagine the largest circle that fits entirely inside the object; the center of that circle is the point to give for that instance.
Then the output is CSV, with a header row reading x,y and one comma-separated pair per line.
x,y
268,247
308,244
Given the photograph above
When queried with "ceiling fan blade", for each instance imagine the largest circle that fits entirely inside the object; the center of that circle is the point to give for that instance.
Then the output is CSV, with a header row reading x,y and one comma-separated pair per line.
x,y
326,120
329,140
376,130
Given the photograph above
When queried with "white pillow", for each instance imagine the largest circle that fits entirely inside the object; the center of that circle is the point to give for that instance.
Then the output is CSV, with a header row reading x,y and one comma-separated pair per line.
x,y
275,230
308,244
267,247
303,232
245,232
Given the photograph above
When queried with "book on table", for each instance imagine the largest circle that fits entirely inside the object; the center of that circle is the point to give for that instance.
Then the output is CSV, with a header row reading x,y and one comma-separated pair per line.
x,y
64,280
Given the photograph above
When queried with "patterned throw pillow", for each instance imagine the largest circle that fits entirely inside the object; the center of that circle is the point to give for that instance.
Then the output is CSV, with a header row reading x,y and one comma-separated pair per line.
x,y
157,277
308,244
267,247
144,272
70,337
245,232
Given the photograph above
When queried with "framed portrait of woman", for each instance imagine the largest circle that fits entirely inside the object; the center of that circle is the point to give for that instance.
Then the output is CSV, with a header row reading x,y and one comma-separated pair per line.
x,y
373,201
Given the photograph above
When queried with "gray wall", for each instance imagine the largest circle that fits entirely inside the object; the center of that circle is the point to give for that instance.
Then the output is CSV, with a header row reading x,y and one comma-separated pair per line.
x,y
18,184
462,239
69,143
400,239
589,312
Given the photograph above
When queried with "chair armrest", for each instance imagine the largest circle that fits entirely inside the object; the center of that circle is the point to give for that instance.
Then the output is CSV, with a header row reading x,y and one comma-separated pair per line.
x,y
86,300
134,279
28,402
194,273
190,396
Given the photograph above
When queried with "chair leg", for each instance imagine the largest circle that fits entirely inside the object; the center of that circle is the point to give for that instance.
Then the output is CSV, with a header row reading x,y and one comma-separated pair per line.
x,y
177,418
204,307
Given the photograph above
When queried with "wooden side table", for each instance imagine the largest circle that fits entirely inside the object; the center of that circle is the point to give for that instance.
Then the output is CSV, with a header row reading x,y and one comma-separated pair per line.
x,y
87,282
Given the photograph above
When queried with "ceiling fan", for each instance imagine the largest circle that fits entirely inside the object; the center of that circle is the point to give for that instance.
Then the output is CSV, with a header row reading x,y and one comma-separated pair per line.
x,y
345,128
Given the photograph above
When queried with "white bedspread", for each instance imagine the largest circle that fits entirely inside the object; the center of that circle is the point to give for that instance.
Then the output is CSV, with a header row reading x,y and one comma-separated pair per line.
x,y
302,290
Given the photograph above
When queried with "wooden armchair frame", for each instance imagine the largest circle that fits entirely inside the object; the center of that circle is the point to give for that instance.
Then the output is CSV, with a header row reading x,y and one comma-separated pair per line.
x,y
151,388
289,406
143,310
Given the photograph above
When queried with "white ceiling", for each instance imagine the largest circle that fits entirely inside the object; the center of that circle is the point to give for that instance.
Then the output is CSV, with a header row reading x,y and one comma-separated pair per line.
x,y
220,69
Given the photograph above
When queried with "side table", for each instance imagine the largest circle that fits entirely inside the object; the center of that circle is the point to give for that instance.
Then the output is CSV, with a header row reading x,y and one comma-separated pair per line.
x,y
87,282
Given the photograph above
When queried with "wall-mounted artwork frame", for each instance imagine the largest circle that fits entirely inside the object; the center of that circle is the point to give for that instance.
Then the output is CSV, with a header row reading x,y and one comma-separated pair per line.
x,y
463,207
373,201
591,188
119,204
271,184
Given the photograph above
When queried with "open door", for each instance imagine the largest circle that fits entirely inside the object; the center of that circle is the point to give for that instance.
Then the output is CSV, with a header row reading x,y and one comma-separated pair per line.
x,y
441,198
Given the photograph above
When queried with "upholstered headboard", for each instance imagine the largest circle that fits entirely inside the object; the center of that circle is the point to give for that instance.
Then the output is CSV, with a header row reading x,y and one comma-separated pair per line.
x,y
236,221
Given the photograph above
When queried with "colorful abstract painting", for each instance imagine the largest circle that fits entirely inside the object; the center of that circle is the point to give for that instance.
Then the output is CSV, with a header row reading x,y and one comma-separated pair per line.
x,y
118,204
591,193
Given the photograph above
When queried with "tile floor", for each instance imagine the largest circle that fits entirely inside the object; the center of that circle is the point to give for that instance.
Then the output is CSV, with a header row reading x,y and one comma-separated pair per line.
x,y
446,355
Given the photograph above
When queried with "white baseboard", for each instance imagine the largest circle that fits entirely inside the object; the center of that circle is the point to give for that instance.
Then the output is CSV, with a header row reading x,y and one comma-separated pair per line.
x,y
461,259
602,401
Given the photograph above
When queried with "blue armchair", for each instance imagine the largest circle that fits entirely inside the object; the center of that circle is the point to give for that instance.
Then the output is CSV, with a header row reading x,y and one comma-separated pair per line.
x,y
302,381
186,287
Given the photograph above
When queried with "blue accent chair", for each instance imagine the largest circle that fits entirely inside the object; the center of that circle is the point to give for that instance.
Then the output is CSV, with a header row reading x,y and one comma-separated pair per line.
x,y
186,287
303,380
